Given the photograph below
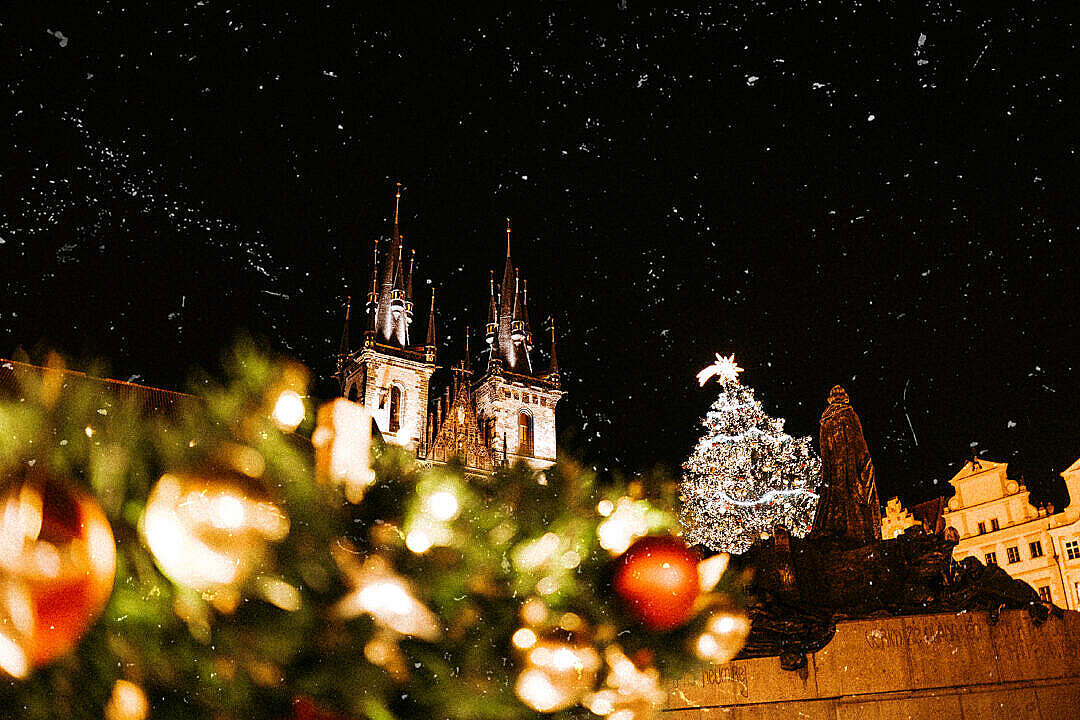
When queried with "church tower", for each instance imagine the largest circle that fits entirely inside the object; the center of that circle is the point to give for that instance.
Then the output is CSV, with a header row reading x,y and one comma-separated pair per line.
x,y
505,415
390,375
515,404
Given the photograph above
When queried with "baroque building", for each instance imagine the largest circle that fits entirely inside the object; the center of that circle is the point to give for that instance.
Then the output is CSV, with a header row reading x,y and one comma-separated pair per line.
x,y
995,522
500,414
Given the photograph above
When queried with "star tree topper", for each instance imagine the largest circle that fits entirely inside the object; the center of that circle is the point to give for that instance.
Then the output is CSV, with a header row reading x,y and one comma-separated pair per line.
x,y
725,369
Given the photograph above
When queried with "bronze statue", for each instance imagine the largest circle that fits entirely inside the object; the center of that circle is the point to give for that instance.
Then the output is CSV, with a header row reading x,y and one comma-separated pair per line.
x,y
849,501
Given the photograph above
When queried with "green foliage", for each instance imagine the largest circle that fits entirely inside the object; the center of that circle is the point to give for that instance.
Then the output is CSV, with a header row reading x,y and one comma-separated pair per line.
x,y
195,660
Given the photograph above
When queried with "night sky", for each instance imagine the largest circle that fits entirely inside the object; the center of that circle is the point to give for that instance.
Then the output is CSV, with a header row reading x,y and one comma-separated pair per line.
x,y
884,197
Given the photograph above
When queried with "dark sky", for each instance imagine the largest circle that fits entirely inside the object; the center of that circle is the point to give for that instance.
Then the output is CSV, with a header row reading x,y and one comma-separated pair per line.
x,y
882,196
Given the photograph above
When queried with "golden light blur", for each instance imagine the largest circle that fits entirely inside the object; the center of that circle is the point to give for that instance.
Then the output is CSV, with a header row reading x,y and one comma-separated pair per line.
x,y
289,410
724,635
557,674
342,441
127,702
378,590
210,531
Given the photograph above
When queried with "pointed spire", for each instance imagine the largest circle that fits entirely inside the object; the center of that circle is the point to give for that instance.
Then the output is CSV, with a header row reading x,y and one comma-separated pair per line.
x,y
430,342
517,295
343,349
399,268
397,208
492,315
409,282
554,356
525,313
506,292
467,363
375,268
372,306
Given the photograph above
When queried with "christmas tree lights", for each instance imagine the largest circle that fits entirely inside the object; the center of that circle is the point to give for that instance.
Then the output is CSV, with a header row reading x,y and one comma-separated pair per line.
x,y
746,475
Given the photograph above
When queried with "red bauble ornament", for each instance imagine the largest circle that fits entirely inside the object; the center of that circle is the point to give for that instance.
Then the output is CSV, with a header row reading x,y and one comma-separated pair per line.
x,y
57,569
657,578
305,709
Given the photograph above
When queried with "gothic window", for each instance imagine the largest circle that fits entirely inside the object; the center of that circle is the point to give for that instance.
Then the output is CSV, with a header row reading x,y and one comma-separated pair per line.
x,y
525,433
395,408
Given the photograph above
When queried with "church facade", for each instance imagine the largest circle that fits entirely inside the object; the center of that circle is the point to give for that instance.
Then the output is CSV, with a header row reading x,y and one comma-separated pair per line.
x,y
500,414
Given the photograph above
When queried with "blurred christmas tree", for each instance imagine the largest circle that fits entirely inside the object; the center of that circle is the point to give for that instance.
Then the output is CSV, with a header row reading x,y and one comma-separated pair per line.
x,y
746,475
232,554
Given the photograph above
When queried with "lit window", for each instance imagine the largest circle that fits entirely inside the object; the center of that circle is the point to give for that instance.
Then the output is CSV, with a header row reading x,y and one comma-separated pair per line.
x,y
994,524
1036,549
525,433
395,409
982,528
1072,549
991,558
1013,554
1044,594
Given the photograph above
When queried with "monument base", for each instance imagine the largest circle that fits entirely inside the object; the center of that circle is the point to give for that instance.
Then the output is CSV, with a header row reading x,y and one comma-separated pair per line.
x,y
916,667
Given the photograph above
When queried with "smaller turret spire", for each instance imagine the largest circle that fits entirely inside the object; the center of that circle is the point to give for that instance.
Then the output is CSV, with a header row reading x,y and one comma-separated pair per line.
x,y
517,295
525,313
554,357
493,314
343,349
397,208
429,343
467,363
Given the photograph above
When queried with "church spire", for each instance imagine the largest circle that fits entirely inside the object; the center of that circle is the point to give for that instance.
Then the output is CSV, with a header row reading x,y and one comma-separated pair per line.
x,y
429,343
506,308
553,372
397,208
525,314
468,360
343,348
372,307
392,323
492,315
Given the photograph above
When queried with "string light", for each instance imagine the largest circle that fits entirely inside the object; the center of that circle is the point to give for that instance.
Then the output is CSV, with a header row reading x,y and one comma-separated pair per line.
x,y
289,410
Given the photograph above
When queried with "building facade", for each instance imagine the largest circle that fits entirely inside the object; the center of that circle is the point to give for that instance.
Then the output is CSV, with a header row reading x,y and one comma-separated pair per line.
x,y
996,523
502,414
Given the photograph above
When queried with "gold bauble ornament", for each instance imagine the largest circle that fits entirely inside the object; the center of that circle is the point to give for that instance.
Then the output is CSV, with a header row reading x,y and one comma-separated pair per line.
x,y
558,671
724,635
57,563
210,529
629,692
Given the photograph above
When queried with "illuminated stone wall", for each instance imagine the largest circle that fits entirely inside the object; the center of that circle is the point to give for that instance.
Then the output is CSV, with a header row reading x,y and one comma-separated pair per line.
x,y
928,667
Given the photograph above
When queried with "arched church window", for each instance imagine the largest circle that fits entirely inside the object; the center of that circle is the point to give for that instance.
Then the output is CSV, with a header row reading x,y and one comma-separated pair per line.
x,y
395,408
525,433
354,392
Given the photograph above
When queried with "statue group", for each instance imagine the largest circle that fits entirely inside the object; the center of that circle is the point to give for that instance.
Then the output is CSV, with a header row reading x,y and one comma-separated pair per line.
x,y
843,569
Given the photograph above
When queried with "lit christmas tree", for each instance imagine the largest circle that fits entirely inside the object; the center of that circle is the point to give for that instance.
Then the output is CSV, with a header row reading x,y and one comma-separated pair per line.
x,y
746,476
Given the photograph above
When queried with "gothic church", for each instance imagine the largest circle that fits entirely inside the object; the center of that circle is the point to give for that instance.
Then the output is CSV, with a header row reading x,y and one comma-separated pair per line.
x,y
502,415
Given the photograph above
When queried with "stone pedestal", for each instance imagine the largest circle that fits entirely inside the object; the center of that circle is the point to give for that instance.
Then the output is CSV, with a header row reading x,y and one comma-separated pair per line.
x,y
920,667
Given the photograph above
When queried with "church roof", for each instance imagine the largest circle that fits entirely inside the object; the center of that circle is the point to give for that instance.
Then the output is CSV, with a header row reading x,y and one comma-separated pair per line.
x,y
150,400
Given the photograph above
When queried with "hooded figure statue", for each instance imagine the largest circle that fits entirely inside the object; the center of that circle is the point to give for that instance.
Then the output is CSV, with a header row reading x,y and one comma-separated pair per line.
x,y
849,501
